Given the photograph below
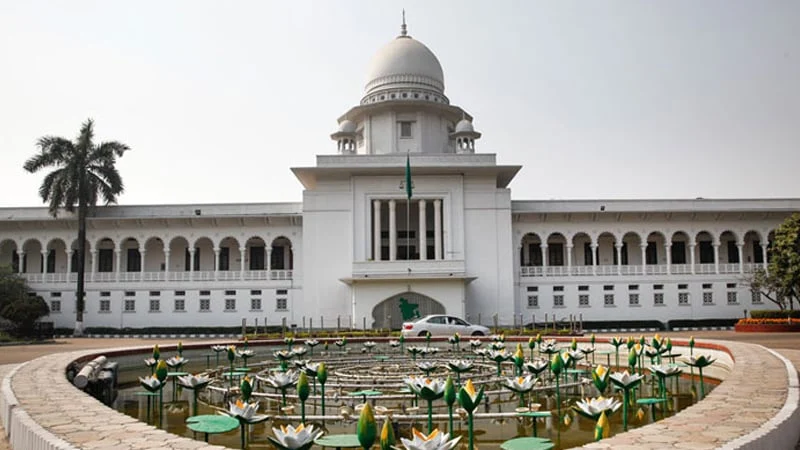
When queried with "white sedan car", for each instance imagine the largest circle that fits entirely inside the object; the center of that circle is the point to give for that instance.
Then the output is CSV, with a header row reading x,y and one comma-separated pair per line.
x,y
441,325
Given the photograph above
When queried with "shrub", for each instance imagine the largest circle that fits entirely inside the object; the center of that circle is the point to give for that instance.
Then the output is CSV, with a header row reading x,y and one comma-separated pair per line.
x,y
774,314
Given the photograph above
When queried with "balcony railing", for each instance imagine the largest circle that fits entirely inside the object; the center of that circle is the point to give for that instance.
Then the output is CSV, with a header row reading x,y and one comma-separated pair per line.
x,y
134,277
627,270
406,268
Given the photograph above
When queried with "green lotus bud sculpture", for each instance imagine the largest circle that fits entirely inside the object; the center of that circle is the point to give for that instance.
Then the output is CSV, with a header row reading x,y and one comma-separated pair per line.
x,y
246,389
616,342
556,367
603,428
180,348
322,377
469,399
531,345
387,439
519,359
367,429
600,375
156,352
303,391
449,400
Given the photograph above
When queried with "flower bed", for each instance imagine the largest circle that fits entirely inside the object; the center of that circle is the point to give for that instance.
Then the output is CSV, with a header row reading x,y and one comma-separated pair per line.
x,y
767,325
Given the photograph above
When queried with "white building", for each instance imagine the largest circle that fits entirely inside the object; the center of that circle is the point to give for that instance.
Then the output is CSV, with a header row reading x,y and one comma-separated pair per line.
x,y
357,244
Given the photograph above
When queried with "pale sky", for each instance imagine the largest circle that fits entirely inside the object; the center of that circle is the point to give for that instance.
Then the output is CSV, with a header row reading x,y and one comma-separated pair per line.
x,y
600,99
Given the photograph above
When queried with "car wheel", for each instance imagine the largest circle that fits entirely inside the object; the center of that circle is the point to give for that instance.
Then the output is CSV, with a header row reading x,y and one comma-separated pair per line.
x,y
477,333
422,333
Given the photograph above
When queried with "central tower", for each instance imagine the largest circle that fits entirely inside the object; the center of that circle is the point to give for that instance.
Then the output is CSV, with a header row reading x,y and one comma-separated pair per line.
x,y
404,108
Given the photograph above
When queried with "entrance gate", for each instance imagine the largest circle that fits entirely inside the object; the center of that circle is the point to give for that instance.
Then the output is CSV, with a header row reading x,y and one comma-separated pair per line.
x,y
404,307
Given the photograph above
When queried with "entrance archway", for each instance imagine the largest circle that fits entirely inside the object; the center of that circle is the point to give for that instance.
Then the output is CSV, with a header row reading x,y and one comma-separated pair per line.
x,y
390,312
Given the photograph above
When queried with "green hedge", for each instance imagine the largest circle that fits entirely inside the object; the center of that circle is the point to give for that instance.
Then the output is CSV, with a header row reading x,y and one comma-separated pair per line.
x,y
774,314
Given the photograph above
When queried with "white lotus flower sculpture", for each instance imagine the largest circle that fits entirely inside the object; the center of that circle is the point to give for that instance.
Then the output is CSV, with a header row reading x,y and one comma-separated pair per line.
x,y
281,380
151,384
176,362
245,353
394,343
594,407
426,366
537,366
520,385
460,365
194,381
625,380
666,370
299,350
245,412
434,441
291,438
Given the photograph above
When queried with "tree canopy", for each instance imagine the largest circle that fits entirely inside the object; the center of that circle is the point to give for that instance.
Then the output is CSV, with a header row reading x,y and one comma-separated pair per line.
x,y
781,283
17,305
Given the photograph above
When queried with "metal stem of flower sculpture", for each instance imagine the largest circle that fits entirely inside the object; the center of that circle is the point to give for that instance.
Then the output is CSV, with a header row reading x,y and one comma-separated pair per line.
x,y
402,340
231,357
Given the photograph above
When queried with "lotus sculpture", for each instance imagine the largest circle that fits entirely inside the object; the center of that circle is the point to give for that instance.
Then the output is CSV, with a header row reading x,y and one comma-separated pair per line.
x,y
600,377
311,343
426,366
625,381
428,389
194,383
701,362
521,386
436,440
469,399
288,437
592,408
281,381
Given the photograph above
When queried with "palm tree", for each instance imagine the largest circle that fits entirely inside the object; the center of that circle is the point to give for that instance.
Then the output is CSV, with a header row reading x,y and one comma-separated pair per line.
x,y
83,173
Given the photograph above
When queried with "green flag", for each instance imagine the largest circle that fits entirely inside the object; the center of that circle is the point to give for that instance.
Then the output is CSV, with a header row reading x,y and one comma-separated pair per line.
x,y
409,187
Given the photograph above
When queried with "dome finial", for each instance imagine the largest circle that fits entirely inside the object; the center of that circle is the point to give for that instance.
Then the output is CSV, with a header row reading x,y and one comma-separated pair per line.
x,y
403,28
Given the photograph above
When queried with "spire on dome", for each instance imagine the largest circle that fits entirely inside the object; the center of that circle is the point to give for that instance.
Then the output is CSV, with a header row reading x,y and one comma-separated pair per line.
x,y
403,27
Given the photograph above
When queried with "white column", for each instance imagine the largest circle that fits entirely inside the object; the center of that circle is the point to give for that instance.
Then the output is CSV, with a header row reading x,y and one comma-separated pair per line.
x,y
594,257
94,264
618,248
668,250
526,254
764,257
118,252
166,264
142,254
191,263
543,247
740,248
43,265
242,257
569,259
437,229
69,261
21,260
376,232
423,231
643,247
392,230
216,261
716,257
269,259
691,255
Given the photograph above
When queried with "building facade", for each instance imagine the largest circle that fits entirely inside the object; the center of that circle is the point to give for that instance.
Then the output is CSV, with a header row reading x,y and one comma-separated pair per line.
x,y
363,238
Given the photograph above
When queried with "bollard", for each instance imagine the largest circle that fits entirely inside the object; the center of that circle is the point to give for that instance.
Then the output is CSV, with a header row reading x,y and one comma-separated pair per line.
x,y
310,325
304,322
256,329
533,321
479,318
365,324
265,324
244,327
283,327
581,324
338,323
521,324
494,319
321,322
388,323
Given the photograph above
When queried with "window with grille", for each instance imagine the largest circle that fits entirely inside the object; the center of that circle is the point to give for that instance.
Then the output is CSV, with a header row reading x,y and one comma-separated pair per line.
x,y
230,304
255,304
281,304
130,305
708,298
683,298
558,301
205,304
756,298
633,299
105,306
533,301
608,300
55,306
583,300
732,300
658,299
180,304
155,305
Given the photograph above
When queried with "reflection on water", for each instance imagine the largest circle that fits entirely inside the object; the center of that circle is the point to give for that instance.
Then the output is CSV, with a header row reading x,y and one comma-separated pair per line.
x,y
567,430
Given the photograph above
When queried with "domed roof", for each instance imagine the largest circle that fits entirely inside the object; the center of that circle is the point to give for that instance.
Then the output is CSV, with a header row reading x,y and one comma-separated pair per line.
x,y
464,125
405,63
347,126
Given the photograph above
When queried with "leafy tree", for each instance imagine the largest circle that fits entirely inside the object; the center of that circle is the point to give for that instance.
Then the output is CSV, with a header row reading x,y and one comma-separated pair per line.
x,y
16,305
84,172
781,285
